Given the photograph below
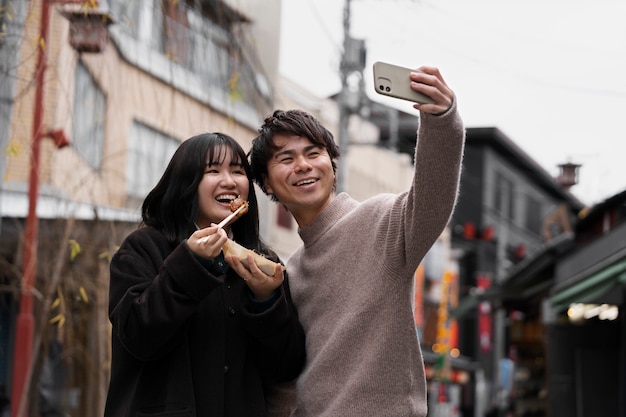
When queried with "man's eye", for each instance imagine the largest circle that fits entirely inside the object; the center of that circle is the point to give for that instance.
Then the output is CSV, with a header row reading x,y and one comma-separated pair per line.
x,y
286,160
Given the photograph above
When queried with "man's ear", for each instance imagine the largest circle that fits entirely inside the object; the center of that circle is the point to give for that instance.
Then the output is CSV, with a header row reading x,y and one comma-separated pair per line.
x,y
268,188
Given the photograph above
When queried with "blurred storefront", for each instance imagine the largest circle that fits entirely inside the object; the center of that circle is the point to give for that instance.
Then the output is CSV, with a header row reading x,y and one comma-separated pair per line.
x,y
452,378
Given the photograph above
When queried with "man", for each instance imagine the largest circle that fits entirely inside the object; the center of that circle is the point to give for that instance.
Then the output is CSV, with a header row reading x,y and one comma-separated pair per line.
x,y
352,280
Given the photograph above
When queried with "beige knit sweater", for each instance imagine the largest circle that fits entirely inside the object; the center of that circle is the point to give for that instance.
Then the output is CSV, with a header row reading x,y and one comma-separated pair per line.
x,y
352,283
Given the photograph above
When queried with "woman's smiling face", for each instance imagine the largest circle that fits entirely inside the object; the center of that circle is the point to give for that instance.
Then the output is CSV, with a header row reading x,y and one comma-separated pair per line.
x,y
224,180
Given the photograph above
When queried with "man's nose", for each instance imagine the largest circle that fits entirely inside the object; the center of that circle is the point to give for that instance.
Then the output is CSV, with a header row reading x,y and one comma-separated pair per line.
x,y
302,164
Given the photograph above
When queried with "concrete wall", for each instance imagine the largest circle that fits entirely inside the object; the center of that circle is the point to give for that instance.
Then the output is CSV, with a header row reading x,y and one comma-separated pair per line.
x,y
131,94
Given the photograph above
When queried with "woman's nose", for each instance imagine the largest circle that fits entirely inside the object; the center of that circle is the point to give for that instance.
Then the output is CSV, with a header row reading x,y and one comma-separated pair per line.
x,y
228,180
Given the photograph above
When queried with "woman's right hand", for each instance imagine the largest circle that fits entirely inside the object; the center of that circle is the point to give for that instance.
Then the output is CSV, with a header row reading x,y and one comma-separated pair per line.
x,y
207,242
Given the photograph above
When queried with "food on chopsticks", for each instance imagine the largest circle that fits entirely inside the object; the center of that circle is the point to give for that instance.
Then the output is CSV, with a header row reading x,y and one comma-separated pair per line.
x,y
238,207
232,248
238,202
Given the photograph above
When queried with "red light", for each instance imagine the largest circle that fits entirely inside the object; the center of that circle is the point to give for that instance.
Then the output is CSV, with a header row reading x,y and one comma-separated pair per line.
x,y
469,231
442,397
489,233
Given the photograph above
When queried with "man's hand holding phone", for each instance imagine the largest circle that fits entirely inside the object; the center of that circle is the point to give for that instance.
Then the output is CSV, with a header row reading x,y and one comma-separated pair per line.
x,y
424,86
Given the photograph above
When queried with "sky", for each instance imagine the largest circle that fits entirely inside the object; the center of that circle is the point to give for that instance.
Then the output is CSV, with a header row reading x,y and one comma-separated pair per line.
x,y
550,74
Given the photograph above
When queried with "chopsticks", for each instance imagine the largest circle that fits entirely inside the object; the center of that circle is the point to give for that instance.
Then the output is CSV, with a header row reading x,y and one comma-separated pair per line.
x,y
224,222
230,217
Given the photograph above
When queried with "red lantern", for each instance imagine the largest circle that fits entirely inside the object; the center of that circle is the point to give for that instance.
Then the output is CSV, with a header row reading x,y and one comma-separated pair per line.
x,y
89,30
489,233
469,231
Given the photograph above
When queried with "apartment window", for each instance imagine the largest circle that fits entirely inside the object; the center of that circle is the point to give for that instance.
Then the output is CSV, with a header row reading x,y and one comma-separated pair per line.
x,y
198,39
4,11
175,31
533,215
149,152
206,38
209,52
89,118
505,196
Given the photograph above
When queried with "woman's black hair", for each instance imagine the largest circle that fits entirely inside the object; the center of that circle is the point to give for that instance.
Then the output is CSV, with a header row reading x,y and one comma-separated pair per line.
x,y
291,122
172,205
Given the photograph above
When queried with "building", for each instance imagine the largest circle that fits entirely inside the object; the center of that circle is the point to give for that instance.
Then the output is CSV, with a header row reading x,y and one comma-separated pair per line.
x,y
586,325
565,331
506,216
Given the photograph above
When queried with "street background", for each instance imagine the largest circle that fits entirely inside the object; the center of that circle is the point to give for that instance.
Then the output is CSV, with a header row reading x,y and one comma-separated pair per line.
x,y
548,73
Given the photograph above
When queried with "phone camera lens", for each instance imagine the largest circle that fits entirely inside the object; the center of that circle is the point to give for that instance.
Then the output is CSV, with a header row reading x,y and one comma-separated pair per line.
x,y
388,89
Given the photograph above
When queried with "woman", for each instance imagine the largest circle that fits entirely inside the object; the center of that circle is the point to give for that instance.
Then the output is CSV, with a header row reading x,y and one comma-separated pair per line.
x,y
194,335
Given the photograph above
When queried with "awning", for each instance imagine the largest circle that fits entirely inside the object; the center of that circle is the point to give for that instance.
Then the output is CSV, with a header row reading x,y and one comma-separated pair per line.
x,y
465,305
525,281
471,301
592,288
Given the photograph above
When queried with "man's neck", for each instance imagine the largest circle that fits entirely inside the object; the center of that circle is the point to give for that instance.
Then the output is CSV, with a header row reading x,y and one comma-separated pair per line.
x,y
306,215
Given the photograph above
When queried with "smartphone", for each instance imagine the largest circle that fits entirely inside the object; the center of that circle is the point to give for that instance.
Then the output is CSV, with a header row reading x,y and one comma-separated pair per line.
x,y
394,81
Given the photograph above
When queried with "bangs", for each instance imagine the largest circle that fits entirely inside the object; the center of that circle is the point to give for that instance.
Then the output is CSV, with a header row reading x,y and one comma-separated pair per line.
x,y
221,153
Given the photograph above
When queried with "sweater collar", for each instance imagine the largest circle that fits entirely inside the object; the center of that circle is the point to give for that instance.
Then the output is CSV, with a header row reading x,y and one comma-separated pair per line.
x,y
340,205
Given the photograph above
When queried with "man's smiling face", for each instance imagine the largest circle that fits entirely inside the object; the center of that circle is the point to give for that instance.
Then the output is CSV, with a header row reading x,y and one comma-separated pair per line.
x,y
300,175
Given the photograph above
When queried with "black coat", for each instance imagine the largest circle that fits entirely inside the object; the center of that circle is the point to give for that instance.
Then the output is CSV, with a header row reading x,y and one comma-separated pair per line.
x,y
186,339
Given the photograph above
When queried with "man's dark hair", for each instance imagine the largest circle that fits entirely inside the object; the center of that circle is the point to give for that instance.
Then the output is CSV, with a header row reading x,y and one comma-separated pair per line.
x,y
291,122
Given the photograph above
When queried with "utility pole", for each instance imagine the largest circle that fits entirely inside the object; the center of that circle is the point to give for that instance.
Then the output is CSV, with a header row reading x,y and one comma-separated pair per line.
x,y
351,68
25,322
344,115
90,35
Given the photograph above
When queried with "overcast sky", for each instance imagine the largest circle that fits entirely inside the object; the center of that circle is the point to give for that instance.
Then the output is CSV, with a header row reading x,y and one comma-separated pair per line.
x,y
550,74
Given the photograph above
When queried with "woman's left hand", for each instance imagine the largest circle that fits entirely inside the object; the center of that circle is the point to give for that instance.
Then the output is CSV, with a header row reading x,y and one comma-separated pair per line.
x,y
261,284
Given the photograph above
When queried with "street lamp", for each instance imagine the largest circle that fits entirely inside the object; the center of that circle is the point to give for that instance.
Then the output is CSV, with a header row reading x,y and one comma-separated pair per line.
x,y
25,322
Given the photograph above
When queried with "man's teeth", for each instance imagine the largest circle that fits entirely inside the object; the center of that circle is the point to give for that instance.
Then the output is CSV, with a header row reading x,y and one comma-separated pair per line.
x,y
305,182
